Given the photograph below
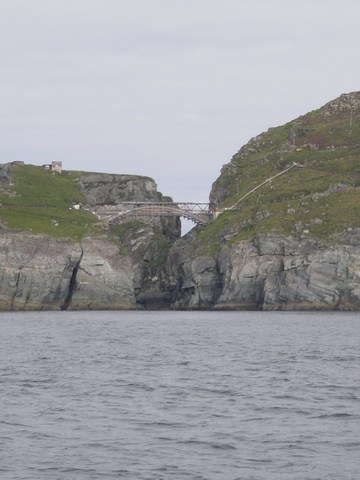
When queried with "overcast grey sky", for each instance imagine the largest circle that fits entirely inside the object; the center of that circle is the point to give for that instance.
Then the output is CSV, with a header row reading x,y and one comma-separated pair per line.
x,y
165,88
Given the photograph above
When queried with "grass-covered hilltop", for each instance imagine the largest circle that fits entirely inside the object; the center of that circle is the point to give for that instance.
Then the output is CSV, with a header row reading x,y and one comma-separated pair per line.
x,y
40,200
285,233
319,196
61,203
58,251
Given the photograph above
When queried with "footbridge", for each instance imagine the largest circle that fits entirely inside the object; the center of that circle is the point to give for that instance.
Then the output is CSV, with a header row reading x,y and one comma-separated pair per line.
x,y
199,213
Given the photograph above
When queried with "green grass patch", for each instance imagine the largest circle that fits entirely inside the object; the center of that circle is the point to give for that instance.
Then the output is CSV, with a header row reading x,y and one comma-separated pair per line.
x,y
34,186
321,198
121,230
51,221
41,201
210,237
321,217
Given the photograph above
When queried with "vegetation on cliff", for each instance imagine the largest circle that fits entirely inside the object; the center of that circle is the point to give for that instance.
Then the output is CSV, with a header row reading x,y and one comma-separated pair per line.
x,y
320,196
41,201
288,193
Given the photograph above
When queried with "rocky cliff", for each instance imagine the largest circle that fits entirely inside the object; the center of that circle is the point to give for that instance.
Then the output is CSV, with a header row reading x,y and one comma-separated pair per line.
x,y
269,272
286,234
56,256
38,272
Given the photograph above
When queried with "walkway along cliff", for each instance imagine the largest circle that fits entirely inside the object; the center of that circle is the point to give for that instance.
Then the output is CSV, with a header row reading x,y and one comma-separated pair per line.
x,y
284,231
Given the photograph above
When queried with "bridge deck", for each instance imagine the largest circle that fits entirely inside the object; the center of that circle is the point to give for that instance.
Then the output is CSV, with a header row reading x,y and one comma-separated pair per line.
x,y
196,211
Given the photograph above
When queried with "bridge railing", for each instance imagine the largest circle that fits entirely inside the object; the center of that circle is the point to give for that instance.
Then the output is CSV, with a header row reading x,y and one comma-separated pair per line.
x,y
198,212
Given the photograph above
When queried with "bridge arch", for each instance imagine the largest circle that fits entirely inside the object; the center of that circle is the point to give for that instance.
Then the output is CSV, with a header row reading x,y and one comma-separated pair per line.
x,y
199,213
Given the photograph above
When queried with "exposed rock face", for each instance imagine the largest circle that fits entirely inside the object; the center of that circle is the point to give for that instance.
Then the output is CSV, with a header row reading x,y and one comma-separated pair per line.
x,y
111,271
37,273
271,272
146,241
110,189
104,279
278,243
5,173
192,281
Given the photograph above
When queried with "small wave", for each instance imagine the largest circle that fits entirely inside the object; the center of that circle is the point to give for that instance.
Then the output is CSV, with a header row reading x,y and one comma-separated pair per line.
x,y
69,470
217,391
254,419
5,470
336,415
13,424
120,473
333,386
205,443
259,460
223,446
162,424
347,358
288,397
142,386
350,444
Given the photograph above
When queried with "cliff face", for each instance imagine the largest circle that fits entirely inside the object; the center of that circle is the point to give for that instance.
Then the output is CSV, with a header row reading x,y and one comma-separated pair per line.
x,y
269,272
287,236
105,188
38,272
34,271
107,268
110,189
104,278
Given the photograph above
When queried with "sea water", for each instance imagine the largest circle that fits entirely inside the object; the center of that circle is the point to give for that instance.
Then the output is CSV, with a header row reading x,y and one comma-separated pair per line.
x,y
179,395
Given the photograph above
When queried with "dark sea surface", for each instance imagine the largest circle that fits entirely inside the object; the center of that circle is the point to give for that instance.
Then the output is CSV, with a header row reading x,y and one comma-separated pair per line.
x,y
179,395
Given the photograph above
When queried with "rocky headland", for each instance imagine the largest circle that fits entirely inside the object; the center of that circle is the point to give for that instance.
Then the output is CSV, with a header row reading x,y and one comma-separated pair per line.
x,y
55,253
293,243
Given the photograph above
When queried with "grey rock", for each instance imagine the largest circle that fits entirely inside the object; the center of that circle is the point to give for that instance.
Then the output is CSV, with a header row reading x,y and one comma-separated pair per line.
x,y
6,170
272,272
194,281
110,189
36,273
104,279
105,272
